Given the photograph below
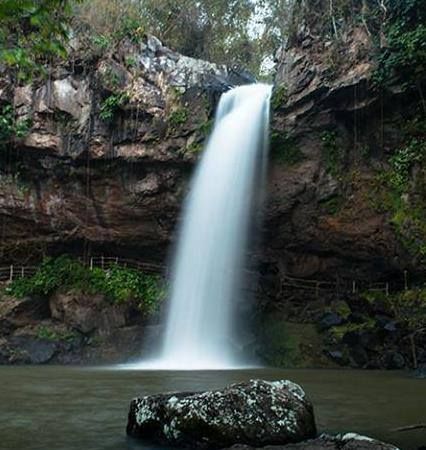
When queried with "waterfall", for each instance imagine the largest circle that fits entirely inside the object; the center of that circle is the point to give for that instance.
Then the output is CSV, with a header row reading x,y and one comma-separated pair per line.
x,y
213,237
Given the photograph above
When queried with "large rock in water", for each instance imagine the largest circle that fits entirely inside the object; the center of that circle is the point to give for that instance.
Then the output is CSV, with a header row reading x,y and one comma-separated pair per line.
x,y
256,413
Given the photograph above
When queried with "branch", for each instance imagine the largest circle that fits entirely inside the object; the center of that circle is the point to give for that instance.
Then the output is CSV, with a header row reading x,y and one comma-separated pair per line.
x,y
417,426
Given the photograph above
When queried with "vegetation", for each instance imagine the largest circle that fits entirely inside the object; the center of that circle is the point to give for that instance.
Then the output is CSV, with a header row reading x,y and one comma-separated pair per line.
x,y
279,96
399,192
333,157
32,32
118,284
178,117
9,127
408,306
49,334
284,149
332,205
111,104
404,55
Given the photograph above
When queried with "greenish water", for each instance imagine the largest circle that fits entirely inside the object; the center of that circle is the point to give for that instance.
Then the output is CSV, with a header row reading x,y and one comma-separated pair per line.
x,y
66,408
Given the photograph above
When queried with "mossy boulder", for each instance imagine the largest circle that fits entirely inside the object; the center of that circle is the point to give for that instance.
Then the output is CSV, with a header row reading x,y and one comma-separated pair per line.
x,y
255,413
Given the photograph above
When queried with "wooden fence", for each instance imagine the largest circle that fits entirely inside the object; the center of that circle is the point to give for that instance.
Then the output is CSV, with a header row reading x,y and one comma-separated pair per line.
x,y
338,286
12,272
317,287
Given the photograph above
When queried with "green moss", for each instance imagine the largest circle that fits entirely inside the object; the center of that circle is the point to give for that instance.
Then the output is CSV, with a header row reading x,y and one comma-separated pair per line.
x,y
332,156
408,306
178,117
397,192
49,334
339,331
206,127
287,344
332,205
284,149
194,147
279,96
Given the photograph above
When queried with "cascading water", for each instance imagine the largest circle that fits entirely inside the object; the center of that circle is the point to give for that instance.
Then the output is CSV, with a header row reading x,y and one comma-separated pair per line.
x,y
212,242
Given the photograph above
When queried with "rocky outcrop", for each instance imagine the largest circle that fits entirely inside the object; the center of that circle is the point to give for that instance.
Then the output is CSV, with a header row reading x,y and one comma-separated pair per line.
x,y
255,413
71,328
109,145
333,132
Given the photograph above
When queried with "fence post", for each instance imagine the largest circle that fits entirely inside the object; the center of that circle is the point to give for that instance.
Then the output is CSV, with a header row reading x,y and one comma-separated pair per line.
x,y
317,289
22,272
353,287
405,280
91,263
387,289
116,260
102,262
11,273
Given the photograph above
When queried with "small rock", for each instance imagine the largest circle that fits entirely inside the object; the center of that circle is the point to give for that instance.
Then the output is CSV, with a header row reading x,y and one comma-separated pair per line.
x,y
348,441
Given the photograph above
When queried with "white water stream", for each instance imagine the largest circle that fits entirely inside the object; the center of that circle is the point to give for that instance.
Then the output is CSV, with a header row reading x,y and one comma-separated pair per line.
x,y
212,240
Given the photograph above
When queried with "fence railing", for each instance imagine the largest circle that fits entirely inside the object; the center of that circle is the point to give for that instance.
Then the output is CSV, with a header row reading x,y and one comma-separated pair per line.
x,y
12,272
339,286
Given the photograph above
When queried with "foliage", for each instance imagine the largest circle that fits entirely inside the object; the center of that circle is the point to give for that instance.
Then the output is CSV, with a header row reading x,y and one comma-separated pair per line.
x,y
111,104
279,96
32,32
47,333
284,149
331,154
409,306
118,284
178,117
9,127
401,194
338,331
233,32
332,205
404,55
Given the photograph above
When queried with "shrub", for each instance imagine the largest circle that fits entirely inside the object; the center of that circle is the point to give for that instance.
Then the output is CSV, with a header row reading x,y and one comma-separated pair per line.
x,y
333,158
118,284
9,127
111,104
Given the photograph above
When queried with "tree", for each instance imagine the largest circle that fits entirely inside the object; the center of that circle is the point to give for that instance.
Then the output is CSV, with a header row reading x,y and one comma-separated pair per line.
x,y
32,32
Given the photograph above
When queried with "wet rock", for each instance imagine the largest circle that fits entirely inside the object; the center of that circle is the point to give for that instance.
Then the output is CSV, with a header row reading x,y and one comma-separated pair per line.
x,y
331,319
31,350
393,360
337,356
15,313
348,441
358,356
87,313
420,372
255,413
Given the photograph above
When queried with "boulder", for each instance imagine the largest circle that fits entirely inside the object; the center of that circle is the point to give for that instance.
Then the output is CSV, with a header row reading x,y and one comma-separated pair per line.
x,y
348,441
255,413
87,313
331,319
15,313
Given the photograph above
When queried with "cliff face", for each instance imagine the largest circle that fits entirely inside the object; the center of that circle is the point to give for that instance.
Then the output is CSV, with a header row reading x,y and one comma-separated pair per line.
x,y
333,134
105,160
113,138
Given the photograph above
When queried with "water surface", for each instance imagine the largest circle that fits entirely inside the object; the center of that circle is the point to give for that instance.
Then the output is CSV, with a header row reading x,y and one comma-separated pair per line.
x,y
65,408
